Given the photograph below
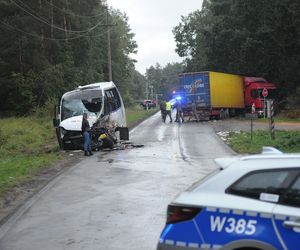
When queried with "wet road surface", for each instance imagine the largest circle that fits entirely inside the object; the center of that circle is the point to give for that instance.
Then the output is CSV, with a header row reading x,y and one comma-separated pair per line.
x,y
117,200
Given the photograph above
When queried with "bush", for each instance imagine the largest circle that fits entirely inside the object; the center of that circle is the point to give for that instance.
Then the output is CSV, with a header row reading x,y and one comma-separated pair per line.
x,y
45,111
128,100
293,114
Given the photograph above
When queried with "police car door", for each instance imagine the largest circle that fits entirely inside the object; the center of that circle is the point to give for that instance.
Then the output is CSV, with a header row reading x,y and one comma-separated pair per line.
x,y
287,216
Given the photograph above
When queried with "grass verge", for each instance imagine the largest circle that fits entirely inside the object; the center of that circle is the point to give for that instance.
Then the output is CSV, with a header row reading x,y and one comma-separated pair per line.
x,y
26,146
137,114
286,141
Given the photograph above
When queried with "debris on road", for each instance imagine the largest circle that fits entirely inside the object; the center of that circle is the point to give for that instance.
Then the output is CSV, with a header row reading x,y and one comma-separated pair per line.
x,y
123,146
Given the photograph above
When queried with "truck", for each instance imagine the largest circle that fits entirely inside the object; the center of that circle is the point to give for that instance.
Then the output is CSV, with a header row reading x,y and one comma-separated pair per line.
x,y
104,106
216,95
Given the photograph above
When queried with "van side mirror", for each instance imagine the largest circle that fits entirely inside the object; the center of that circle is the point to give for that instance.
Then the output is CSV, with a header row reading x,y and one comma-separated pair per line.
x,y
56,122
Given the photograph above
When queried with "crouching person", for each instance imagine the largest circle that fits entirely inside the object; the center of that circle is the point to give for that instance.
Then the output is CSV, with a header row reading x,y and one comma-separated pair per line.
x,y
85,128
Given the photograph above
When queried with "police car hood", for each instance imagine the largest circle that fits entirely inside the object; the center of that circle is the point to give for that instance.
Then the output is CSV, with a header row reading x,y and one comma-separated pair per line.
x,y
74,123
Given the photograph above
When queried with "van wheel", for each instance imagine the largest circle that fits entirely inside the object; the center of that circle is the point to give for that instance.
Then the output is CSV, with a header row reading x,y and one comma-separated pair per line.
x,y
64,146
108,143
60,143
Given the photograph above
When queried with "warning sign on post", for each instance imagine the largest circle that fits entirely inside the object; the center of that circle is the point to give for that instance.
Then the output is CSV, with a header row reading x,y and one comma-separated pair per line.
x,y
251,116
265,92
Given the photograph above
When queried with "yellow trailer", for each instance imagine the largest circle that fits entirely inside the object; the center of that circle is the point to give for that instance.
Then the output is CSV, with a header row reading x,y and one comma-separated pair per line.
x,y
214,94
226,90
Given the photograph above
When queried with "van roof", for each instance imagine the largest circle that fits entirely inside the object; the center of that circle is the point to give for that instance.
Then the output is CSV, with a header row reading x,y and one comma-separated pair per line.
x,y
98,84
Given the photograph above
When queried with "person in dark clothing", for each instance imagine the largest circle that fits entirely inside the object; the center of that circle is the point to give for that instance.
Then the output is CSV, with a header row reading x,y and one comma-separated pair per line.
x,y
85,129
195,113
179,112
163,110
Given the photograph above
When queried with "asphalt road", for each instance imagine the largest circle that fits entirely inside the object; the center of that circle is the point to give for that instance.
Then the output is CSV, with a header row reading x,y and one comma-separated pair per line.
x,y
117,200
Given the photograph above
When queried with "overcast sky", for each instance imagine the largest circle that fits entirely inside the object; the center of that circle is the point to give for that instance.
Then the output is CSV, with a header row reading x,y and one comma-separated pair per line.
x,y
152,22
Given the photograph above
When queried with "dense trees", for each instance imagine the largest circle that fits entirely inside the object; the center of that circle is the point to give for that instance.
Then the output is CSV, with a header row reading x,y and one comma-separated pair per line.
x,y
164,79
248,37
49,47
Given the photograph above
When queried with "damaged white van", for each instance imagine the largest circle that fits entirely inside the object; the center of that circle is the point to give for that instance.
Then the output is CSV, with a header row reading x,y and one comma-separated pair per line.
x,y
104,106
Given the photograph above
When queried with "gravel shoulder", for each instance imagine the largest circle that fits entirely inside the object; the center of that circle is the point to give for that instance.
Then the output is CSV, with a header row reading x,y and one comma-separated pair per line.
x,y
245,125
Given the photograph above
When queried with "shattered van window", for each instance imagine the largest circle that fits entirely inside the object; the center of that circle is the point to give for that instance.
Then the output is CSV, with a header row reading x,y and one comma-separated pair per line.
x,y
81,101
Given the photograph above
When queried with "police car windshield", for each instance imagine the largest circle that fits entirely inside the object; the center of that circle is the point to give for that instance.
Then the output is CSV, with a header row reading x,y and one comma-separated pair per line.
x,y
76,103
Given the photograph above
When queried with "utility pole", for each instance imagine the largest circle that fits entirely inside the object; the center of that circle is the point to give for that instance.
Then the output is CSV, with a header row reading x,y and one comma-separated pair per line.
x,y
151,91
147,90
108,26
108,48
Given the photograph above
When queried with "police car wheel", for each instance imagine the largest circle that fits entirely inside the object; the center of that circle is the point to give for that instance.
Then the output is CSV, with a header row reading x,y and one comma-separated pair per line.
x,y
247,248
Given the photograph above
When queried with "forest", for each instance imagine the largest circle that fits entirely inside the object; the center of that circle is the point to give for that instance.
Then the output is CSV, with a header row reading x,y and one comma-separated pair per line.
x,y
49,47
246,37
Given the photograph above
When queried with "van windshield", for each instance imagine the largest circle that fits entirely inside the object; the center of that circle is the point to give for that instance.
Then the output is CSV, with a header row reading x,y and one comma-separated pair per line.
x,y
76,103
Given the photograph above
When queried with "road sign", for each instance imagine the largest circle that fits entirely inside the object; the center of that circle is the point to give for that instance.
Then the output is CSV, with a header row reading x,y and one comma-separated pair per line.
x,y
251,116
265,92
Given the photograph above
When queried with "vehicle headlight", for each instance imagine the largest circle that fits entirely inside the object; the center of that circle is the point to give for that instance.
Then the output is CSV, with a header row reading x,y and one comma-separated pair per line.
x,y
63,131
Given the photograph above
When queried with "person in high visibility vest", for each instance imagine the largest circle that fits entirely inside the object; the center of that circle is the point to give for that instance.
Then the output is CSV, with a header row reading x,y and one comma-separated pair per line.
x,y
168,110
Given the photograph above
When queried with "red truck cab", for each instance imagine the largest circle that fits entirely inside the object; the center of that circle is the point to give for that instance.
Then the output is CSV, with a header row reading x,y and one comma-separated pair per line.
x,y
253,87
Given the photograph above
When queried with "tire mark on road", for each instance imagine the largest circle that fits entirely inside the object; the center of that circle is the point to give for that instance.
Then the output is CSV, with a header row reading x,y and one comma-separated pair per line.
x,y
184,157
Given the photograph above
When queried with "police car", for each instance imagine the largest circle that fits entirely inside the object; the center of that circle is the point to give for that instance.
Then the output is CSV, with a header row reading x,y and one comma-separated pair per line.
x,y
250,202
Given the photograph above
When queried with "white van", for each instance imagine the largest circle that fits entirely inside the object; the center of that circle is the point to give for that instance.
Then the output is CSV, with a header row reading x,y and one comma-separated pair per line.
x,y
101,101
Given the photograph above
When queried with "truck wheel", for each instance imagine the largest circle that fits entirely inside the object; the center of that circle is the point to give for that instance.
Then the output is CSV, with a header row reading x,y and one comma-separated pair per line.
x,y
232,113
